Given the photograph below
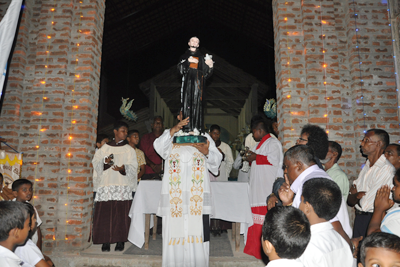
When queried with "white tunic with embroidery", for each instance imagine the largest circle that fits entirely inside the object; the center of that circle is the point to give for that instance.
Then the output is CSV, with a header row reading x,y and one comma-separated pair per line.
x,y
185,197
112,185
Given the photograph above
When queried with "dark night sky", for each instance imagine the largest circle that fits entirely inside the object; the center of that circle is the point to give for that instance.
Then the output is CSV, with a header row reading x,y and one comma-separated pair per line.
x,y
125,73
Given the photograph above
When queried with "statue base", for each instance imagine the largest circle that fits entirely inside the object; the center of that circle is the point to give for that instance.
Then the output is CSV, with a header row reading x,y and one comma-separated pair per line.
x,y
190,139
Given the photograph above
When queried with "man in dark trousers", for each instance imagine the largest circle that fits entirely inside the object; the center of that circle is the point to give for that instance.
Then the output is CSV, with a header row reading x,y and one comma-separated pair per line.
x,y
378,171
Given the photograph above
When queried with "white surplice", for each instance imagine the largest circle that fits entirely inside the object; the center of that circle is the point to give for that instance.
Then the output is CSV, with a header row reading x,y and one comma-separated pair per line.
x,y
185,197
226,164
265,169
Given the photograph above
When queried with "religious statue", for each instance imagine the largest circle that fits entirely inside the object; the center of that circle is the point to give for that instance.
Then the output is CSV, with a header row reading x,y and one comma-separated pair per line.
x,y
195,69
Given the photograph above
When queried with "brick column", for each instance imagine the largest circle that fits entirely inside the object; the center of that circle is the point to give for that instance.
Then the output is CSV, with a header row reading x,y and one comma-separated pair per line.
x,y
52,96
336,106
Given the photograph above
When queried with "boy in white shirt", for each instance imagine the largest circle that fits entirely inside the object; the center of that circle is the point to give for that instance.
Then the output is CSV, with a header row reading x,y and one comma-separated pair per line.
x,y
23,192
380,249
29,253
285,235
320,201
14,230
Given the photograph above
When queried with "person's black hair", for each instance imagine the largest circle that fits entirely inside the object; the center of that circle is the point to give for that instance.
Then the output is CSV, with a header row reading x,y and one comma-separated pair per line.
x,y
119,124
288,230
397,175
335,147
379,240
302,153
324,196
259,121
13,214
132,132
1,177
397,148
17,183
382,135
215,127
317,140
31,211
101,137
158,117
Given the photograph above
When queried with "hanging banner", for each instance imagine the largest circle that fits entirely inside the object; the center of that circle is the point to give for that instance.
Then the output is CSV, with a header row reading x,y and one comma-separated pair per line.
x,y
8,25
10,166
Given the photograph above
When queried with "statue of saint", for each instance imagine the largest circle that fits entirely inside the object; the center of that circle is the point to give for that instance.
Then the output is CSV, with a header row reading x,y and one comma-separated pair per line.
x,y
195,69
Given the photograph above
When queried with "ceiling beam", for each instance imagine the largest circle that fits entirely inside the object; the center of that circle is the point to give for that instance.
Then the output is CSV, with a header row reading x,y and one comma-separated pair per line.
x,y
208,97
221,114
212,85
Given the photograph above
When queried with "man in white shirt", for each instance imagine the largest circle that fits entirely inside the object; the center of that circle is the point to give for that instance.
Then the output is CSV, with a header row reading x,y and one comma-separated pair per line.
x,y
320,201
378,171
226,151
299,167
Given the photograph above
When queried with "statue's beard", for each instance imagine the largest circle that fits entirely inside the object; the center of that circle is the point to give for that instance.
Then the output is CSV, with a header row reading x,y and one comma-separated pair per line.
x,y
193,47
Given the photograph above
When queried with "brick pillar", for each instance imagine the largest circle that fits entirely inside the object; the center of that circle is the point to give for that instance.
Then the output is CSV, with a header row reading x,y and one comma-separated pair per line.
x,y
337,105
53,86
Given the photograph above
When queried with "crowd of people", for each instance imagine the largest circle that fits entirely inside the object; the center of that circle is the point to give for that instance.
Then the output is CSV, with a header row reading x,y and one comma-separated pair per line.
x,y
298,199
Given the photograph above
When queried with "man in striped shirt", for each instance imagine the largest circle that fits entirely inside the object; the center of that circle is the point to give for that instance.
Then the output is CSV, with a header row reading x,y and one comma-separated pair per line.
x,y
378,171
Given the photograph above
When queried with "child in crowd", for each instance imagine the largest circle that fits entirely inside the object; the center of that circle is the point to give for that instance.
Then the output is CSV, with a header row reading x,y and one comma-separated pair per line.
x,y
380,250
14,230
101,140
29,253
285,235
133,141
22,191
320,201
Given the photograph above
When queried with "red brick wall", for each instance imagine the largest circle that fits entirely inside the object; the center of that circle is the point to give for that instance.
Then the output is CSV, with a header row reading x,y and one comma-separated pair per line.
x,y
45,92
299,40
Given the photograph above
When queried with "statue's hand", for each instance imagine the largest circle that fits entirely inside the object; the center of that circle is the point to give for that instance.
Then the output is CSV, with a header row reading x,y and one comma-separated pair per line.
x,y
193,60
210,63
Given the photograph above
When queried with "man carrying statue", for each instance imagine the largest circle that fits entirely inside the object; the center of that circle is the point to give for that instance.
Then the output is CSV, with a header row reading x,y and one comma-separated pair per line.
x,y
189,155
195,69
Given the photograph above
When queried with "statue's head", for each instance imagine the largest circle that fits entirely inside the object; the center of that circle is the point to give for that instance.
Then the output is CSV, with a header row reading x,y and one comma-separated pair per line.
x,y
194,42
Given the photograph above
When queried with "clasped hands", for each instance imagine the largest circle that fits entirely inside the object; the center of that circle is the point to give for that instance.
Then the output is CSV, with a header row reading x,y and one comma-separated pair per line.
x,y
382,201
